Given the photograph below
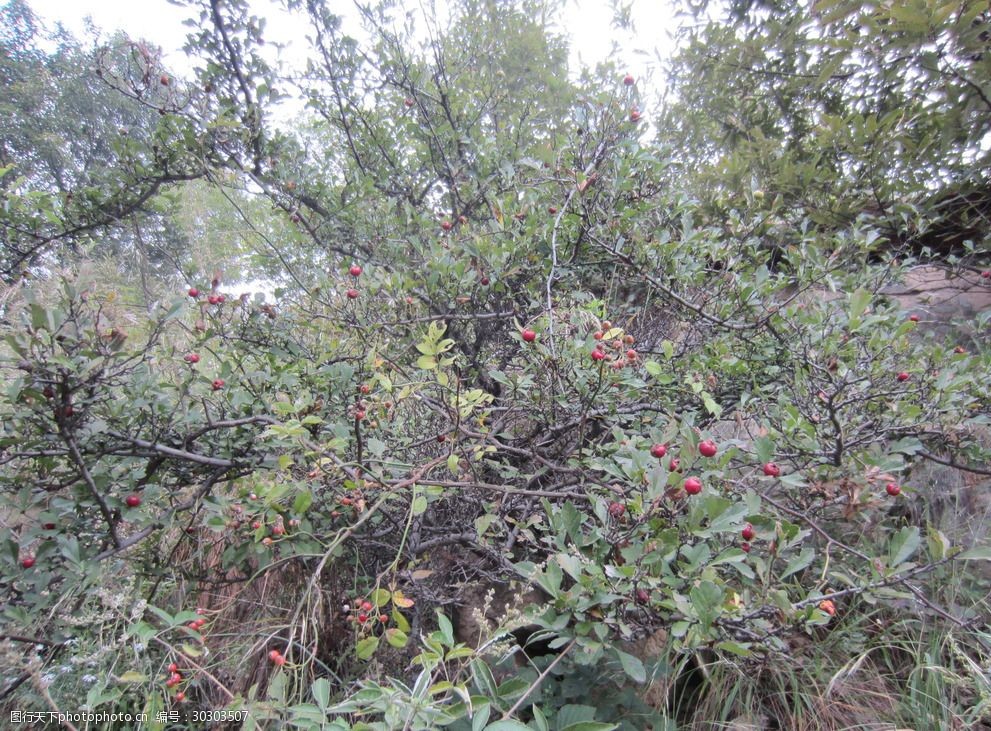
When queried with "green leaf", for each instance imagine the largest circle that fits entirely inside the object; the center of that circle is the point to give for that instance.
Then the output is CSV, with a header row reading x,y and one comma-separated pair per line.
x,y
939,544
381,597
735,648
571,564
321,692
396,637
903,544
446,629
858,303
977,553
507,725
711,406
798,563
419,506
590,726
366,647
426,362
481,718
632,666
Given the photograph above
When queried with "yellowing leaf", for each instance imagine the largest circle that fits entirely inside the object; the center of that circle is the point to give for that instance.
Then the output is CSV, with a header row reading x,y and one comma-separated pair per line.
x,y
191,650
400,600
132,676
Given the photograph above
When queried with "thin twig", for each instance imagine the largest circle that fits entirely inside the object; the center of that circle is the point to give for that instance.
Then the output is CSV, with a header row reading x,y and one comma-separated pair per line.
x,y
540,679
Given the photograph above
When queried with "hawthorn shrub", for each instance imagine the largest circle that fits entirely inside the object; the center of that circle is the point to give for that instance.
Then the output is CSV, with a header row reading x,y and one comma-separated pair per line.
x,y
515,371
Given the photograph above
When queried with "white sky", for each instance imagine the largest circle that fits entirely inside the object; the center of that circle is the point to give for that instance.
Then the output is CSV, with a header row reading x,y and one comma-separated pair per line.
x,y
587,22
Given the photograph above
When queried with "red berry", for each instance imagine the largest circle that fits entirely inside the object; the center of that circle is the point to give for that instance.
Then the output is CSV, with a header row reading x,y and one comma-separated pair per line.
x,y
27,562
986,274
408,102
214,299
598,355
551,210
893,489
658,450
693,486
745,547
49,526
180,696
193,292
748,532
273,654
529,336
441,438
616,510
218,384
383,618
352,294
355,270
628,80
446,225
903,376
256,525
359,414
707,448
280,661
674,465
173,668
631,354
366,606
643,596
484,281
772,470
362,618
133,501
913,318
192,358
634,115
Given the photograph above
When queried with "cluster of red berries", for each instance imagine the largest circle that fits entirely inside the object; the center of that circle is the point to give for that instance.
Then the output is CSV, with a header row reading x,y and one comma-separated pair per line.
x,y
277,658
748,535
365,613
197,624
174,678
